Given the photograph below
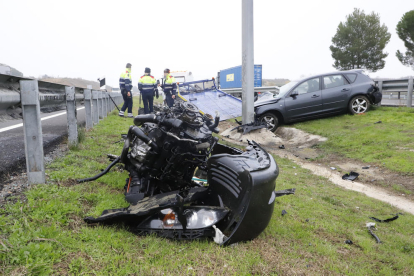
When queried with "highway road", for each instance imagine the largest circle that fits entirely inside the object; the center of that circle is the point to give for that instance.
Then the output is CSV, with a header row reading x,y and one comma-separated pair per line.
x,y
12,152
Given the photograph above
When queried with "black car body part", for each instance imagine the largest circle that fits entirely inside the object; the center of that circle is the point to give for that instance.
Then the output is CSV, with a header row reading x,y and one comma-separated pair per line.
x,y
163,152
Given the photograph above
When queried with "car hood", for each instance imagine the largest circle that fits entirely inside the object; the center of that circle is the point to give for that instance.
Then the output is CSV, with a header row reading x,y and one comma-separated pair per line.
x,y
261,102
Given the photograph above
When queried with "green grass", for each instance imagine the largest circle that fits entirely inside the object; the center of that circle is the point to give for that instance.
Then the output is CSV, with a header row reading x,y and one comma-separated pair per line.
x,y
387,144
46,234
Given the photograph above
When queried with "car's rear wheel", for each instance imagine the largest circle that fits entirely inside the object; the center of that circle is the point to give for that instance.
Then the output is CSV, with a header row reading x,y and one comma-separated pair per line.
x,y
358,105
271,120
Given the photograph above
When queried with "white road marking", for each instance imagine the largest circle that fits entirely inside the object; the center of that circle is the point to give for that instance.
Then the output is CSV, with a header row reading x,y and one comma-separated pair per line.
x,y
41,119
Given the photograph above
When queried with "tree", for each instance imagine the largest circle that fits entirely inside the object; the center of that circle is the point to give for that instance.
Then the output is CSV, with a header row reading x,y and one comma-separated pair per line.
x,y
405,30
359,42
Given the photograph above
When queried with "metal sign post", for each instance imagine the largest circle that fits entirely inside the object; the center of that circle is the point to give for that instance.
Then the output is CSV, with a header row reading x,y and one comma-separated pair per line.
x,y
247,62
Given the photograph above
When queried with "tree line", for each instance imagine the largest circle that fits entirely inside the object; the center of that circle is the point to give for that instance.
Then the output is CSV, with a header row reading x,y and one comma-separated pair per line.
x,y
360,40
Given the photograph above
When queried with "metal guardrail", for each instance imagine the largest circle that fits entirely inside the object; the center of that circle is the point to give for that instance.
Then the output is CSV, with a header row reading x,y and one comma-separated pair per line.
x,y
274,89
30,93
399,87
402,87
50,94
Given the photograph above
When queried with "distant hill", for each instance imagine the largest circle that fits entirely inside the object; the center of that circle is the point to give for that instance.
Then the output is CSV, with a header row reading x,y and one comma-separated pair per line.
x,y
275,82
78,82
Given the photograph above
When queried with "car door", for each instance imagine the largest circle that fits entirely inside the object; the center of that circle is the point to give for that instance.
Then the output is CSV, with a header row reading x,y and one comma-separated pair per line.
x,y
335,93
304,101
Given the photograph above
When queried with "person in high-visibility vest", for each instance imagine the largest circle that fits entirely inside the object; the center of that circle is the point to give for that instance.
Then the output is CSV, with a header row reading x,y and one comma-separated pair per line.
x,y
170,87
148,89
125,84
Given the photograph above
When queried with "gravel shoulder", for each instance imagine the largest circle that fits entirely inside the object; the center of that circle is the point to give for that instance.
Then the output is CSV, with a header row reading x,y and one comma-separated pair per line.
x,y
17,183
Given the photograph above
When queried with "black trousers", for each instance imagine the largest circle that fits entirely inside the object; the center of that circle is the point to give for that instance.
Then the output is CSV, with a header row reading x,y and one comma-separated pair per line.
x,y
169,99
127,101
148,99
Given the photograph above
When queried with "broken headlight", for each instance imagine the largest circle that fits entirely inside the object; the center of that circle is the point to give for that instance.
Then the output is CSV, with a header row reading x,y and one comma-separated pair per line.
x,y
195,217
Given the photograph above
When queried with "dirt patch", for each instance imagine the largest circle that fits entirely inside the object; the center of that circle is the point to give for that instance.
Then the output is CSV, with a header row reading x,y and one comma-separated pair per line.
x,y
405,149
291,138
302,148
371,174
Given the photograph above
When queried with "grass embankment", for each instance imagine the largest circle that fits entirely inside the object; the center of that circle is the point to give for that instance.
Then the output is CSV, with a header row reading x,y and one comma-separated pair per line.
x,y
46,233
389,143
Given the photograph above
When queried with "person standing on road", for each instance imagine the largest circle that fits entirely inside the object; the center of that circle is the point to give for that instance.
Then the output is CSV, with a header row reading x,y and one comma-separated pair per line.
x,y
125,84
170,87
148,88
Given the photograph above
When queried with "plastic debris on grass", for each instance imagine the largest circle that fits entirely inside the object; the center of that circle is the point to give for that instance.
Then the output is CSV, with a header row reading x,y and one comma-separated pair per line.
x,y
350,176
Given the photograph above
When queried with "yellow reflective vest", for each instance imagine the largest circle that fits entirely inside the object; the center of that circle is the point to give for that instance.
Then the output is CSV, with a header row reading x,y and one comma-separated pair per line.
x,y
125,80
147,84
169,86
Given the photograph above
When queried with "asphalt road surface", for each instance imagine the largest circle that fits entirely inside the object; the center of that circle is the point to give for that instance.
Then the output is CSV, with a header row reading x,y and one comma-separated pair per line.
x,y
12,152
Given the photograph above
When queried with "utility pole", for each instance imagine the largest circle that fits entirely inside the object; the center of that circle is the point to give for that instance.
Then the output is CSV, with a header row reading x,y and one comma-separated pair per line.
x,y
247,62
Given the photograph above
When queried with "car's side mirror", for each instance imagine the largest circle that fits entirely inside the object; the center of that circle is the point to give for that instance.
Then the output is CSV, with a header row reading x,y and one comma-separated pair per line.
x,y
294,94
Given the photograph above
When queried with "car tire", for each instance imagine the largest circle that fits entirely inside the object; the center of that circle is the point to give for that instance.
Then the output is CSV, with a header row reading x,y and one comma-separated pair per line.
x,y
271,119
359,104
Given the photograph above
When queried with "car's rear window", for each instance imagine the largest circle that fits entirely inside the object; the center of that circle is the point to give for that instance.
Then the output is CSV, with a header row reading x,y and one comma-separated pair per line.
x,y
351,77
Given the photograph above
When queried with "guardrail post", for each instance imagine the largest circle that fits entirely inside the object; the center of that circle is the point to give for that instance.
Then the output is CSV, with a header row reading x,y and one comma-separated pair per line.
x,y
108,103
410,92
95,110
104,104
380,90
32,127
100,105
111,104
71,115
88,108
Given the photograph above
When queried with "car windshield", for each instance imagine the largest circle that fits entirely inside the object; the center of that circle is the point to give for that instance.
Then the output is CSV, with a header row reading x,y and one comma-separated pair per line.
x,y
285,88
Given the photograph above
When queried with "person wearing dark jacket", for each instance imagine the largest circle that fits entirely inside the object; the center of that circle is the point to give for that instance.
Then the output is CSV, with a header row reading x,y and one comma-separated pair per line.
x,y
125,84
148,88
170,87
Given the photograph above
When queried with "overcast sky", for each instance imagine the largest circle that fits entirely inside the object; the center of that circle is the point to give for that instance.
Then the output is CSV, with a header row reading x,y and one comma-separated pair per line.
x,y
90,39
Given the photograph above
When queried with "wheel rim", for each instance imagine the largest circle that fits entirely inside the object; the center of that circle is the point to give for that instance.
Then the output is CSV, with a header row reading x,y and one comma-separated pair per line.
x,y
270,121
359,105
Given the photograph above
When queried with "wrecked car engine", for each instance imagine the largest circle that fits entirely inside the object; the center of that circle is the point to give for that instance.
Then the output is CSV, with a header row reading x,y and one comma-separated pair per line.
x,y
183,184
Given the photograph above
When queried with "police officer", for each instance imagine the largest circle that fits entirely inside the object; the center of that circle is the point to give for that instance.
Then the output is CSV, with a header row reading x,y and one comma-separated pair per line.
x,y
148,88
170,87
125,84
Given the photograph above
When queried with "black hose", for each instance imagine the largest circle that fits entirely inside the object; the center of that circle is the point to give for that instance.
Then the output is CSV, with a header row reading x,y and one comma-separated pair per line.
x,y
141,135
151,118
148,118
172,123
216,122
102,173
114,103
375,236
